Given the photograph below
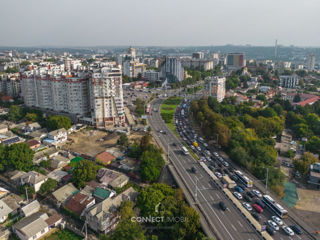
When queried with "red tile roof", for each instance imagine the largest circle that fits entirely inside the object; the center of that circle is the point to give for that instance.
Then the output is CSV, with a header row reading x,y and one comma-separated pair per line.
x,y
6,98
308,101
33,142
78,203
52,220
105,158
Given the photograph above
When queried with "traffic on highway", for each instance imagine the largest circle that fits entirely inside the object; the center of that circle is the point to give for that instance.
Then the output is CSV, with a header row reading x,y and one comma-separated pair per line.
x,y
271,215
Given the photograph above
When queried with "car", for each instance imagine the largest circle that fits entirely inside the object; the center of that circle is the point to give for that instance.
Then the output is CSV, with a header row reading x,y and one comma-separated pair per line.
x,y
238,189
256,216
202,159
296,229
216,154
250,194
225,171
225,163
160,131
260,203
223,206
273,225
219,164
247,206
288,230
257,193
211,167
207,152
247,198
277,220
205,144
193,169
234,178
237,195
199,149
201,139
192,147
257,208
218,174
174,144
270,230
208,159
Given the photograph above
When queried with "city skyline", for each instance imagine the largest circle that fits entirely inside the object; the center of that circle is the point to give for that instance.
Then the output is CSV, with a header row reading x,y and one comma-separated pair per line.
x,y
166,23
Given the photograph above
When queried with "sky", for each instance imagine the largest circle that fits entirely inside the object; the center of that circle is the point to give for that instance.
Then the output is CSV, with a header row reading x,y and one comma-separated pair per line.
x,y
159,22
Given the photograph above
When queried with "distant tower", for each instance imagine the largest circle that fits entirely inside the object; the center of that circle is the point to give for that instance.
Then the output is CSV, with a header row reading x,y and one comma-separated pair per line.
x,y
276,49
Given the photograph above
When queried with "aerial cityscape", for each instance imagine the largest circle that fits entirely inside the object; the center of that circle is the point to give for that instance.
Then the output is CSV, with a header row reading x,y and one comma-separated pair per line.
x,y
159,120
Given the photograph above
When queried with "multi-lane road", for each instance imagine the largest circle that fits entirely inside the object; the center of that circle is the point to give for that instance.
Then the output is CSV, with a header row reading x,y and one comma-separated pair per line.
x,y
225,225
229,224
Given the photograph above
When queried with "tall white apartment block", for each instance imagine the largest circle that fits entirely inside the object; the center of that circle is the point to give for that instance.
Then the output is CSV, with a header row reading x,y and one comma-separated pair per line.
x,y
311,60
94,94
289,81
106,97
216,87
172,70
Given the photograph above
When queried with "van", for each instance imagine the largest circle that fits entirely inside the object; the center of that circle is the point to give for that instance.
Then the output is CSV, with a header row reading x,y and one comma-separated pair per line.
x,y
257,208
223,206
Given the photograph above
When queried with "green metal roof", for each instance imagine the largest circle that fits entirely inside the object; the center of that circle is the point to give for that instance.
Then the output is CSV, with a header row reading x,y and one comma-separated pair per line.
x,y
76,159
101,193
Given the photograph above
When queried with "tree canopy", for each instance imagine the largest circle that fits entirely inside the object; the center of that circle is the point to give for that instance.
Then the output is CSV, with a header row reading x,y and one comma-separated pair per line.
x,y
85,171
54,122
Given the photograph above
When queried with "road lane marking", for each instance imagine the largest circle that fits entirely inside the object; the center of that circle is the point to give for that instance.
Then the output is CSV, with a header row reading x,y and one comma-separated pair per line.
x,y
233,227
211,198
240,223
217,195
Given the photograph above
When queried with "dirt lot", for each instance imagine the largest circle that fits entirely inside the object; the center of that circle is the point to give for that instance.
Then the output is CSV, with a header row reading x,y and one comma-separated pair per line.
x,y
308,206
91,142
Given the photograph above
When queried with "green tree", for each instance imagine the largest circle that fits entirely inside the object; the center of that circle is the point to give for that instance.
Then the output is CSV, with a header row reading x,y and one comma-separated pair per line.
x,y
145,142
85,171
24,63
31,117
313,145
151,165
19,156
123,140
48,186
15,113
302,165
56,122
297,98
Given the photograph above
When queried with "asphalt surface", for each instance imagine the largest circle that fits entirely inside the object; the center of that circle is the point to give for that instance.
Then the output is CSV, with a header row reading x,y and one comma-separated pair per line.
x,y
230,224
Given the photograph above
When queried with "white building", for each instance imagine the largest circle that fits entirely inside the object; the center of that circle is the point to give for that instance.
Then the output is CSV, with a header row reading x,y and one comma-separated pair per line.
x,y
79,93
172,70
289,81
311,60
215,87
198,55
106,97
197,63
59,135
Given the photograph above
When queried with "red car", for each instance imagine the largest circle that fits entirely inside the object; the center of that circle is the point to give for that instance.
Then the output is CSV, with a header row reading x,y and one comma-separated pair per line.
x,y
257,208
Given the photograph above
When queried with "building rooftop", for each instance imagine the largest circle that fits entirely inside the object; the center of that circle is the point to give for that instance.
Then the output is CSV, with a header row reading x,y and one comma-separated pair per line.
x,y
63,193
31,208
105,158
101,193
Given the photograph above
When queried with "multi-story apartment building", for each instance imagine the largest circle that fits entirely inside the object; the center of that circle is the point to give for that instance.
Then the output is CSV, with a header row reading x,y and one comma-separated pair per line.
x,y
198,55
172,70
151,76
106,97
289,81
311,60
10,84
236,61
205,64
133,68
215,87
95,95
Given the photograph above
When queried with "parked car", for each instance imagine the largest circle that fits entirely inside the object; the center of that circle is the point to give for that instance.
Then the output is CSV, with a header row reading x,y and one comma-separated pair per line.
x,y
247,198
225,163
257,193
238,189
277,220
273,225
247,206
223,206
237,195
288,230
270,230
193,169
256,216
257,208
296,229
260,203
219,175
250,194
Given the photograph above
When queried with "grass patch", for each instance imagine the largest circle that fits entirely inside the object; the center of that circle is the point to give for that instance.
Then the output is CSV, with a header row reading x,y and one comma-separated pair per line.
x,y
63,235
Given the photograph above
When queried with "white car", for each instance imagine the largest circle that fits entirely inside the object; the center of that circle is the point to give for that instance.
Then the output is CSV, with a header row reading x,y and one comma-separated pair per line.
x,y
199,149
257,193
218,174
192,147
216,154
277,220
207,152
225,163
247,206
205,144
288,230
273,225
203,159
237,195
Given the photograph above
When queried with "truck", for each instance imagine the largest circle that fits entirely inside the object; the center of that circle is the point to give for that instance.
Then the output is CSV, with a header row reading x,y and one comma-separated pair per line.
x,y
228,183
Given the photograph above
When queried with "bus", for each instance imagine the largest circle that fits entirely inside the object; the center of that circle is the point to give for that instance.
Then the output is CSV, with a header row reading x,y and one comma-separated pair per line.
x,y
185,150
275,207
245,180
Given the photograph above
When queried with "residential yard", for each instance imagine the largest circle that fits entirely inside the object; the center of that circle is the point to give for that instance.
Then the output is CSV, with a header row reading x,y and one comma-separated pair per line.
x,y
308,200
90,142
63,235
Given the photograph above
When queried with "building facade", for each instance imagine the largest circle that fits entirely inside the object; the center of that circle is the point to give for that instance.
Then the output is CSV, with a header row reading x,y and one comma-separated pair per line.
x,y
311,60
197,63
236,61
95,94
215,87
172,70
289,81
151,76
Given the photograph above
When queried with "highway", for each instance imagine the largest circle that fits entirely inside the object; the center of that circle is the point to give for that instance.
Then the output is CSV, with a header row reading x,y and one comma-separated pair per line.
x,y
229,224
